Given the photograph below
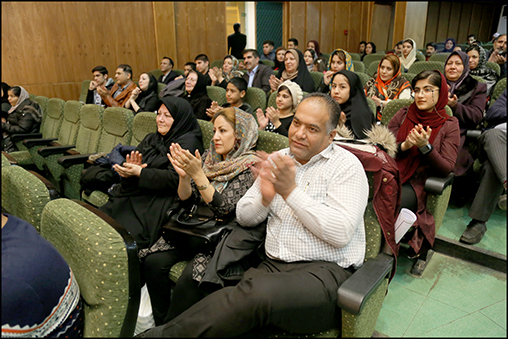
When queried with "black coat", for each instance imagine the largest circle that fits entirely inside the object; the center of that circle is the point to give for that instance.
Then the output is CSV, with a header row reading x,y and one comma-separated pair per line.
x,y
171,76
199,99
25,119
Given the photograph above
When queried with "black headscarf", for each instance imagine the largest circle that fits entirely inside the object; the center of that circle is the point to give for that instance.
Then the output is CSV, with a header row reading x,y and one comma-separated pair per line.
x,y
5,88
357,110
304,79
152,87
198,98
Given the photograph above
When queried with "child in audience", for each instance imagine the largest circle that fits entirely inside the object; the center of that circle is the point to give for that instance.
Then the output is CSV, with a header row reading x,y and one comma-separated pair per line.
x,y
339,60
235,92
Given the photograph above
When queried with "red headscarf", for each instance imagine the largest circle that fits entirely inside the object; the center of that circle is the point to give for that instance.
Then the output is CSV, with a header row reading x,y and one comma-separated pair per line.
x,y
435,119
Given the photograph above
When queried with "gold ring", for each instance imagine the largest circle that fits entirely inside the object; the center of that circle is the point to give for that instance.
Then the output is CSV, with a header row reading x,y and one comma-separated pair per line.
x,y
184,165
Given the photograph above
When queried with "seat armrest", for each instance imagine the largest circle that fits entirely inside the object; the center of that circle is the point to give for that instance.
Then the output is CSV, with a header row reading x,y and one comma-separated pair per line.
x,y
23,136
37,142
436,185
53,192
69,160
47,151
10,158
354,292
473,133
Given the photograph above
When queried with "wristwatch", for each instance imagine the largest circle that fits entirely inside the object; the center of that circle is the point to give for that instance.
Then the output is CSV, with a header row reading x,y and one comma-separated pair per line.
x,y
202,187
426,149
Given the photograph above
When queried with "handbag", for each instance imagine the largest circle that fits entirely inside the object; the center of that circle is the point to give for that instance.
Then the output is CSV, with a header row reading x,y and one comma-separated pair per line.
x,y
197,230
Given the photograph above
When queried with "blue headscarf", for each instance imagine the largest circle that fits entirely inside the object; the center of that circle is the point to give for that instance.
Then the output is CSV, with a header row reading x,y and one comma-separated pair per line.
x,y
449,50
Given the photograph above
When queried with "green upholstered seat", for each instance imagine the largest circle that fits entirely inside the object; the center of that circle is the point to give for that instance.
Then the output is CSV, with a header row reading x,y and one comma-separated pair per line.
x,y
256,98
495,66
372,69
32,96
43,104
179,71
498,90
326,56
217,93
272,100
358,66
355,56
392,107
160,87
216,63
372,106
439,57
420,56
207,131
103,258
267,62
419,66
271,142
479,79
84,90
409,76
318,78
5,161
369,58
156,73
23,194
364,78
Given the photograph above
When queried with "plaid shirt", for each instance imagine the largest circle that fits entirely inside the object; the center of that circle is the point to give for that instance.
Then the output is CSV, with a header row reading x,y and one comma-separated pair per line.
x,y
322,219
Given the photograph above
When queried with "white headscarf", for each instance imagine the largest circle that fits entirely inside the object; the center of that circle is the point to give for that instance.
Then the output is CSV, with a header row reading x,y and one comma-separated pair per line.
x,y
23,95
407,62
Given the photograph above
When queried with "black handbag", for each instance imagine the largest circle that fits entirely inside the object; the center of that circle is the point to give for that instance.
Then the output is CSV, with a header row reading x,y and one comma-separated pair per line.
x,y
197,230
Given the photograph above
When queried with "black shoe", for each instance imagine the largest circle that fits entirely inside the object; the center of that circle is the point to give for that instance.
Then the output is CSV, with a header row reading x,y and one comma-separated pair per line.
x,y
474,232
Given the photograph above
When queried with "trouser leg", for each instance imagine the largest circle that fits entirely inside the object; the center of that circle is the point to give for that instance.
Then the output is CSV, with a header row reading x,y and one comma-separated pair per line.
x,y
487,195
493,144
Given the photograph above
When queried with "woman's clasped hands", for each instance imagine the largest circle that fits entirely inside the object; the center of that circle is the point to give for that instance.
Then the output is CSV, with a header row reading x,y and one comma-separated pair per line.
x,y
185,164
132,165
418,137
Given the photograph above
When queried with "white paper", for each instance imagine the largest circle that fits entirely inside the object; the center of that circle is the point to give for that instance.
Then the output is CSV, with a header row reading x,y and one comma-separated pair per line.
x,y
405,220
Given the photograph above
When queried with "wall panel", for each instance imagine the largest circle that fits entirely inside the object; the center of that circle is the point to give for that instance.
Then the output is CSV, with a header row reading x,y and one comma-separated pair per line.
x,y
341,23
326,41
312,24
165,34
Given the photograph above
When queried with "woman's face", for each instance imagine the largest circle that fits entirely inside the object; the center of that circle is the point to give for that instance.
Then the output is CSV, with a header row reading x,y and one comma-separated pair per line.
x,y
454,68
368,49
164,120
284,100
223,136
227,65
290,62
449,44
340,88
280,55
426,95
386,70
191,81
337,64
308,58
13,100
144,81
474,58
311,45
406,49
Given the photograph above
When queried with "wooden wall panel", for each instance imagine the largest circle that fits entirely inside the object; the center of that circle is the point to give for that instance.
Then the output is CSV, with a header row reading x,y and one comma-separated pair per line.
x,y
298,27
465,20
355,26
182,34
432,19
165,33
442,23
312,24
486,22
380,36
326,40
342,23
453,23
399,21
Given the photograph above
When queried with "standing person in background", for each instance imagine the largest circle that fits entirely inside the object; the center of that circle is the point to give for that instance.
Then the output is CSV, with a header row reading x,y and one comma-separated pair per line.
x,y
293,43
100,78
236,42
268,52
121,90
167,71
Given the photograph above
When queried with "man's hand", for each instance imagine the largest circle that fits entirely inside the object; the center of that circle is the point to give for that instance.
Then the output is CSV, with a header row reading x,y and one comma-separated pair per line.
x,y
93,85
102,91
498,59
328,77
281,172
452,102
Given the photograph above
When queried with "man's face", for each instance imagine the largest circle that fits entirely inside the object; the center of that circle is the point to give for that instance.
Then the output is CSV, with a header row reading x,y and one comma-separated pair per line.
x,y
100,78
430,50
165,65
398,49
291,44
500,44
471,39
250,61
202,66
122,77
267,48
307,134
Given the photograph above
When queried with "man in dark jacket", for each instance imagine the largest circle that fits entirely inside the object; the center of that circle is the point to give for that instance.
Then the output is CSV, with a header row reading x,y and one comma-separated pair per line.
x,y
167,71
257,74
100,78
236,42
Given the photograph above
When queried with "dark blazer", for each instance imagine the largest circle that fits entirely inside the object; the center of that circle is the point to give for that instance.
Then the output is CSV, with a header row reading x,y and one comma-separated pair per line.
x,y
171,76
236,44
261,78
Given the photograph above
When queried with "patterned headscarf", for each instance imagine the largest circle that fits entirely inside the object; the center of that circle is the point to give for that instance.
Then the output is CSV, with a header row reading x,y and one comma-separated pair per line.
x,y
411,58
481,70
349,61
23,95
234,70
241,156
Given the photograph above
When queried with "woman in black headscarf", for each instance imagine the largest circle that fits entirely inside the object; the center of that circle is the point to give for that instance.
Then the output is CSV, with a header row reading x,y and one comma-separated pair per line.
x,y
144,98
294,69
195,93
346,88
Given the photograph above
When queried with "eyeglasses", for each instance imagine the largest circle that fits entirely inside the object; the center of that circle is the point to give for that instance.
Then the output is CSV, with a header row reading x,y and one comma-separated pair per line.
x,y
426,90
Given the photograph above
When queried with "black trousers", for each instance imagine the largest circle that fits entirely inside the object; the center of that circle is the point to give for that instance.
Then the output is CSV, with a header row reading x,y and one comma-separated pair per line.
x,y
299,297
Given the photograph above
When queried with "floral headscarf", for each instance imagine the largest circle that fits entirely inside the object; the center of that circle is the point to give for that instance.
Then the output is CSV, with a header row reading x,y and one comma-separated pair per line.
x,y
235,73
481,70
349,61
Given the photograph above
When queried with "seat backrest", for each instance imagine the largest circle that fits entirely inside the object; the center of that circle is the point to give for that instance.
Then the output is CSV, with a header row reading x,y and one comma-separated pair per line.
x,y
90,128
479,79
409,76
372,69
179,71
498,90
5,161
23,194
54,117
419,66
439,57
495,66
355,56
271,142
156,73
317,77
369,58
207,131
267,62
372,106
144,123
160,86
43,104
358,66
216,63
32,96
117,128
70,123
420,56
272,100
392,107
364,78
103,258
256,98
217,93
84,90
326,56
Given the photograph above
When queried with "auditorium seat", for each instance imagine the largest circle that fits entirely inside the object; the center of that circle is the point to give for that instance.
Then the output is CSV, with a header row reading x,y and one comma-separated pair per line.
x,y
494,66
409,76
498,90
216,63
372,68
156,73
364,78
217,93
419,66
372,106
439,57
318,78
84,90
256,98
272,100
358,66
420,56
369,58
267,62
479,79
207,131
356,56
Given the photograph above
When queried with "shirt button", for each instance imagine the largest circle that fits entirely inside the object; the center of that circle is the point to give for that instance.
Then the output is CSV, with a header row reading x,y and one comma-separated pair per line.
x,y
385,180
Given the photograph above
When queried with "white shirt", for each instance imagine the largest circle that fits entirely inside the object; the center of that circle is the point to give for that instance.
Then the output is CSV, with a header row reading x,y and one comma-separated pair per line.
x,y
322,218
252,74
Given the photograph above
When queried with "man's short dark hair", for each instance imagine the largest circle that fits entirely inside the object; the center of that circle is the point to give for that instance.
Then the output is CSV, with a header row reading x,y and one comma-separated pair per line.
x,y
332,106
363,42
294,41
202,57
236,27
191,64
432,44
399,43
101,69
170,61
255,53
239,83
471,35
126,68
269,42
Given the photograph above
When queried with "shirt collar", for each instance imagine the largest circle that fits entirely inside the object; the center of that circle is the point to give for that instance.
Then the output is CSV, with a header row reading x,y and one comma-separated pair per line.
x,y
254,70
326,153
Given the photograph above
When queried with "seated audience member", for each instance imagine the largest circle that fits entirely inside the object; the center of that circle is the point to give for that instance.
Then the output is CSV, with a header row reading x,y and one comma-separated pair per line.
x,y
202,66
319,66
24,116
145,97
268,52
471,39
457,48
278,120
167,71
449,46
196,94
498,53
314,194
467,99
236,42
279,57
121,90
229,70
293,43
477,66
313,44
293,69
40,295
100,78
428,140
148,189
190,66
218,179
431,49
346,88
257,74
309,56
370,48
361,47
6,106
492,154
387,84
409,51
339,60
235,92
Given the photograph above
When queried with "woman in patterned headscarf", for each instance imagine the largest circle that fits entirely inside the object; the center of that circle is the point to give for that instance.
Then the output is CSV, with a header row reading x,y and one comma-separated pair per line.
x,y
477,66
339,60
229,70
387,84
